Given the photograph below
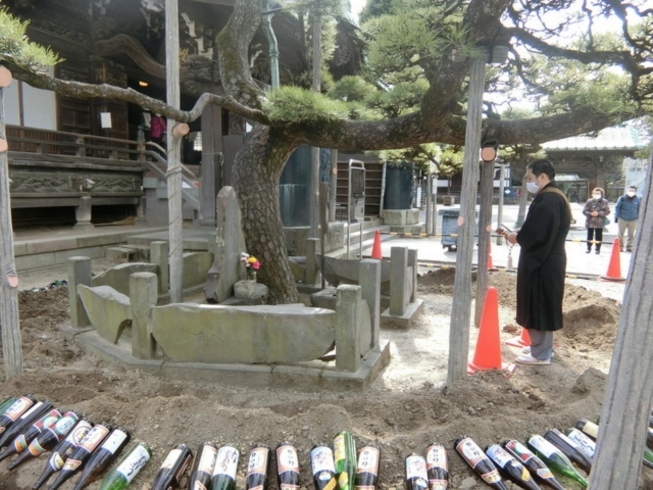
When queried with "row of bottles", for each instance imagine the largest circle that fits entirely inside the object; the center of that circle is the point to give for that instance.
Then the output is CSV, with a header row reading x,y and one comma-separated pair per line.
x,y
30,428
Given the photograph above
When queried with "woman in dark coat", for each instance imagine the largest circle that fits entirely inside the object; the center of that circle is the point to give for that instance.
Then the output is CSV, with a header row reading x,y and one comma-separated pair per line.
x,y
595,211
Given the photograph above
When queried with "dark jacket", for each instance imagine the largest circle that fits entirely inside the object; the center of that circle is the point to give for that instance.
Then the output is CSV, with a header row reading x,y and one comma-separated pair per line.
x,y
627,208
602,207
543,262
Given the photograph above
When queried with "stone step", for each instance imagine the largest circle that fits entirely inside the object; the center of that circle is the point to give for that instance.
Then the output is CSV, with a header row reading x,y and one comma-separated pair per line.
x,y
128,253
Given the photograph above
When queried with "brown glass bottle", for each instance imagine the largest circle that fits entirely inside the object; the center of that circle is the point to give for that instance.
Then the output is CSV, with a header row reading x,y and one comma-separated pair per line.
x,y
287,466
323,467
102,457
367,468
80,455
538,469
15,410
173,468
479,462
61,452
31,416
202,469
22,440
258,465
510,467
437,467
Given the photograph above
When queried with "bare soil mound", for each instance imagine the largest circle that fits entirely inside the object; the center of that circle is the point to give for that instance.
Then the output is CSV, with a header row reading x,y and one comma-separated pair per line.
x,y
403,411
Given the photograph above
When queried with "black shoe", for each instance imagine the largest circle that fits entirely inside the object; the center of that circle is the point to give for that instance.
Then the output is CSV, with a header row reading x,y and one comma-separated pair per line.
x,y
597,252
629,250
588,251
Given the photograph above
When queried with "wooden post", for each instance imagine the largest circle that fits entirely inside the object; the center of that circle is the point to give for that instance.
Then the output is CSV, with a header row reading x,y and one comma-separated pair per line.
x,y
315,152
502,190
462,291
12,351
484,228
175,219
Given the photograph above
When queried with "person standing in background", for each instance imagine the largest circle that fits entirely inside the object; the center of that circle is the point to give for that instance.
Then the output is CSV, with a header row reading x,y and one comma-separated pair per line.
x,y
158,128
596,209
626,214
542,262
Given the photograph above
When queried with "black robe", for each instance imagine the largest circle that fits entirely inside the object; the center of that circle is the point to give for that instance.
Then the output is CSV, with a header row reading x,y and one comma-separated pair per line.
x,y
542,262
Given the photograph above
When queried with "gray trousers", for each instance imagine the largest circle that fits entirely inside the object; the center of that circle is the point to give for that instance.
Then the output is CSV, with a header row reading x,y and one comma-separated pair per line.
x,y
630,226
541,344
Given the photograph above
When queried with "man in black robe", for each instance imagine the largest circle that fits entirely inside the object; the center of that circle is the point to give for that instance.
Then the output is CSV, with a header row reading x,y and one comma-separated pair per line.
x,y
542,262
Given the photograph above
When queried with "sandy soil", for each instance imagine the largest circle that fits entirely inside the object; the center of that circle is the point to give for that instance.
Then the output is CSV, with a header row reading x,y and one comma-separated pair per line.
x,y
403,410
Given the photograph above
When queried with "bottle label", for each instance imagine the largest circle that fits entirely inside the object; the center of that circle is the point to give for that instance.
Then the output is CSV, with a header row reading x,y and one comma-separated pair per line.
x,y
35,448
322,460
63,425
171,458
328,477
438,484
287,459
591,429
471,452
226,462
133,463
491,476
416,467
16,409
48,420
436,457
79,432
56,462
207,459
543,446
339,450
343,480
519,450
72,464
258,462
94,437
368,460
183,466
20,443
544,473
198,486
586,445
114,441
286,486
499,455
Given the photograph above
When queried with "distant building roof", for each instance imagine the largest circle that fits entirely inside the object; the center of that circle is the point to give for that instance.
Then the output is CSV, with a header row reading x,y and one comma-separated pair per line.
x,y
615,138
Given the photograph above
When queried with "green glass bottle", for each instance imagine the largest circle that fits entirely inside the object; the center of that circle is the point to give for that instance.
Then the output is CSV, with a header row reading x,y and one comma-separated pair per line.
x,y
128,468
554,458
344,453
225,469
6,403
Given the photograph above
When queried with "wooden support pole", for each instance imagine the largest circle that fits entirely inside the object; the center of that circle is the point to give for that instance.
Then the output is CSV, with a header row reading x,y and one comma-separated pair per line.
x,y
461,309
12,351
175,218
484,227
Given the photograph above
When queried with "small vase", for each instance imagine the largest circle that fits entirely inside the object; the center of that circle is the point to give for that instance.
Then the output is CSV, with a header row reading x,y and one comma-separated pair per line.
x,y
251,275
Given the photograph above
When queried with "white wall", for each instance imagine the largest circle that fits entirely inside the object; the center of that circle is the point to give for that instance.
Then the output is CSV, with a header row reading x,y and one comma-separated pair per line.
x,y
39,108
12,114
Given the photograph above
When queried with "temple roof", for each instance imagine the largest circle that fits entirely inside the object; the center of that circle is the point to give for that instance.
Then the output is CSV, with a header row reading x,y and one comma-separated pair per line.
x,y
614,138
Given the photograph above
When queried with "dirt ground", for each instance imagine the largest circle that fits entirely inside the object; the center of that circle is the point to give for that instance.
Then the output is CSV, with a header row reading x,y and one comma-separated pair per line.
x,y
403,410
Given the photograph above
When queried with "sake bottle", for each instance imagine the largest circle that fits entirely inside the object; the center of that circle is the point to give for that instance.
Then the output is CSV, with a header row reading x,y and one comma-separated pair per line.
x,y
538,469
61,452
479,462
591,430
22,440
225,469
127,469
173,468
15,410
258,465
35,412
437,467
554,458
81,453
583,441
416,475
344,454
324,467
569,448
510,467
6,403
47,439
102,457
287,466
203,464
367,468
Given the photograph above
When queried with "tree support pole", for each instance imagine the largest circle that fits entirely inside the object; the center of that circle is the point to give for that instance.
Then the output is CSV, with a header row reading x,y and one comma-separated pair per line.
x,y
12,350
484,226
461,310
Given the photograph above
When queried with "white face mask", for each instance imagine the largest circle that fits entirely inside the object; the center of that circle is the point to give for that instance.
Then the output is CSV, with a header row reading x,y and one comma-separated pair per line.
x,y
630,193
597,196
532,187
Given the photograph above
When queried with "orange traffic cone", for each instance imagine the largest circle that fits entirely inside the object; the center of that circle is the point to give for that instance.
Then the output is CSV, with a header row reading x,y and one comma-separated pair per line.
x,y
488,346
490,265
614,269
523,340
376,248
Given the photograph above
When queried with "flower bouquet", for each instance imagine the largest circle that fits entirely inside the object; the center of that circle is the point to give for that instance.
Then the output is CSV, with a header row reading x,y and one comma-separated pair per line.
x,y
251,264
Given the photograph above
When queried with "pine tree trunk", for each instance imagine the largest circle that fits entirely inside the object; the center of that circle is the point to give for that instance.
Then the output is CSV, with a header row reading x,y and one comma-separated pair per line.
x,y
9,321
257,168
627,401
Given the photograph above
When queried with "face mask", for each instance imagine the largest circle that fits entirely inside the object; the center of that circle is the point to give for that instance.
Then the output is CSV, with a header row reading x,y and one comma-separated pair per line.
x,y
532,187
597,196
630,193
